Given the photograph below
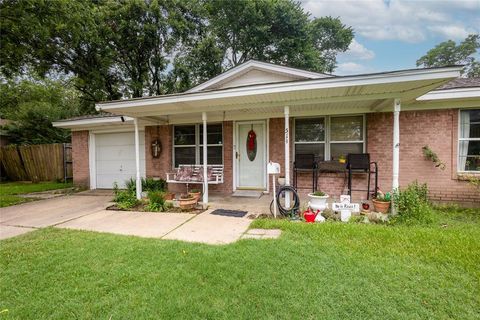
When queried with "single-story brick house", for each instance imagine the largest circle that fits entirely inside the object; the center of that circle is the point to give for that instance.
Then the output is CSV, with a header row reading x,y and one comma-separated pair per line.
x,y
390,115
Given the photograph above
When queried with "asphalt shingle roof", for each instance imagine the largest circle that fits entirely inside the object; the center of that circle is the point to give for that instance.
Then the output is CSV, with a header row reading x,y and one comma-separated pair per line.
x,y
461,83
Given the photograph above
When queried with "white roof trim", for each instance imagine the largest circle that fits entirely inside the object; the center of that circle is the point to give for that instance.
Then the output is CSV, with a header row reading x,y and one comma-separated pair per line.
x,y
90,121
457,93
253,64
325,83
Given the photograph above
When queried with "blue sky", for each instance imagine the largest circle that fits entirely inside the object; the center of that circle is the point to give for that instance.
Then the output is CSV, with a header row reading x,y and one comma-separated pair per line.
x,y
392,35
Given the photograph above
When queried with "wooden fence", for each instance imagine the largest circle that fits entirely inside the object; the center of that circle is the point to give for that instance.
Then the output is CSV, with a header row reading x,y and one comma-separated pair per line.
x,y
42,162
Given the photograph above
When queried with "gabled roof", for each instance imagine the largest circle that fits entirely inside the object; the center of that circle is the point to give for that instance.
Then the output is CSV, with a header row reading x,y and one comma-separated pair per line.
x,y
461,83
265,67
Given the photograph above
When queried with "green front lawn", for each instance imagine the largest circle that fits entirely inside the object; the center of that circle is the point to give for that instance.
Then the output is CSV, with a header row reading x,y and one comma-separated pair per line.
x,y
327,271
9,191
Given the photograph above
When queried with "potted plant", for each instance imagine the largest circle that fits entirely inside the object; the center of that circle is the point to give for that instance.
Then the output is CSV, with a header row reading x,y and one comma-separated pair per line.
x,y
169,195
318,200
342,159
196,193
281,180
381,202
187,202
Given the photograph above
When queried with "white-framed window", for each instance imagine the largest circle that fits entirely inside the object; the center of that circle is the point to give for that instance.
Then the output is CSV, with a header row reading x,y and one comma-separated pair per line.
x,y
469,141
188,144
330,137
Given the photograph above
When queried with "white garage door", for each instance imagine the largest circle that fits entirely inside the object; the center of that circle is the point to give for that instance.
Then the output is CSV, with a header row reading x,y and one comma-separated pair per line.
x,y
115,158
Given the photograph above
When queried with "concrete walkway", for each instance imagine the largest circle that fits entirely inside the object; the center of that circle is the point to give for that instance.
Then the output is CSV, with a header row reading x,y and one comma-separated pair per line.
x,y
87,212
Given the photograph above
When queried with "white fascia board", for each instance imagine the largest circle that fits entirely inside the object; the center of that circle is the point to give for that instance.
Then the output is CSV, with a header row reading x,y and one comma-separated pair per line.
x,y
252,64
312,84
459,93
90,122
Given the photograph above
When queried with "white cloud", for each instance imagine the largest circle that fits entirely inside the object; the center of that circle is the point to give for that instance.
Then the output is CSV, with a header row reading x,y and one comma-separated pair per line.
x,y
358,51
348,68
404,20
451,32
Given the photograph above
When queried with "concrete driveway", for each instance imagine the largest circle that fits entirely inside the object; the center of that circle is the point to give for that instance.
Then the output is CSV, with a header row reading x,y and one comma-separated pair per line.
x,y
87,212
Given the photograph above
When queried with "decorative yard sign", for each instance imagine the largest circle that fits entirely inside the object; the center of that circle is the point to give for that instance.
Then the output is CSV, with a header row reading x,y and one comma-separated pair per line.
x,y
251,145
345,207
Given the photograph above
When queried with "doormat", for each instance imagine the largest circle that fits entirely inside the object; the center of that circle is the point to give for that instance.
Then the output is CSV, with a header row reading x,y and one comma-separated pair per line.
x,y
247,193
229,213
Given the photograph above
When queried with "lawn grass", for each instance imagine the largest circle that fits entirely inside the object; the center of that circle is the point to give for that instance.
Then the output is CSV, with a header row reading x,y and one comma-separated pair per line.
x,y
9,191
326,271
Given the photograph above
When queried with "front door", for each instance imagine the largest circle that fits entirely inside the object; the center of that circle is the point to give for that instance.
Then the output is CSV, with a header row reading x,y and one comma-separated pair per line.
x,y
251,155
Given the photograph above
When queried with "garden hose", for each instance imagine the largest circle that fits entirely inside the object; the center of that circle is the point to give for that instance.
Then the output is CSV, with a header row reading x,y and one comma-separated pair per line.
x,y
285,211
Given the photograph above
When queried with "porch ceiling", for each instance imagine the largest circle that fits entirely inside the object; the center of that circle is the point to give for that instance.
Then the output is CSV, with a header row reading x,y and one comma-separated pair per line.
x,y
352,94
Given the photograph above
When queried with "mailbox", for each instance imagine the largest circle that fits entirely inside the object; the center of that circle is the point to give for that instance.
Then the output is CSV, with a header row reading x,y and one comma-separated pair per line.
x,y
273,168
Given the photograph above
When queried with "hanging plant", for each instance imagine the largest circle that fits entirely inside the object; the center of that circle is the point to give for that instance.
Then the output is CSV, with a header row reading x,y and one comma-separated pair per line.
x,y
432,156
251,145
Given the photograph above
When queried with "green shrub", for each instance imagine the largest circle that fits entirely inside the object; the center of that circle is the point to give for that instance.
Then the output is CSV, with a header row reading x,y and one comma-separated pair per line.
x,y
125,199
148,184
156,201
412,205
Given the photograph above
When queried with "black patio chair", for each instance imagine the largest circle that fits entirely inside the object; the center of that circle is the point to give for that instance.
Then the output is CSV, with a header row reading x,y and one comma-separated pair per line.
x,y
305,163
360,163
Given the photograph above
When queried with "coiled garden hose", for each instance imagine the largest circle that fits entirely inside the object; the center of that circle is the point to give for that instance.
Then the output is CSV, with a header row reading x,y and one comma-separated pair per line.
x,y
281,209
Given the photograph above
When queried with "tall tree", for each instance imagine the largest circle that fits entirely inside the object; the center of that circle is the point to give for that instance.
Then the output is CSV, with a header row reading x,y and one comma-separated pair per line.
x,y
32,105
115,49
277,31
449,53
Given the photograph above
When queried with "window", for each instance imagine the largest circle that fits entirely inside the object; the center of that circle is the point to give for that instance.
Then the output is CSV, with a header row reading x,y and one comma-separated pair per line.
x,y
469,140
346,136
329,137
310,137
188,144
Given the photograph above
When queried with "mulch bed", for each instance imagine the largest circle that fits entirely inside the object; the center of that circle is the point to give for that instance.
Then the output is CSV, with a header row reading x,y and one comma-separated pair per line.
x,y
141,208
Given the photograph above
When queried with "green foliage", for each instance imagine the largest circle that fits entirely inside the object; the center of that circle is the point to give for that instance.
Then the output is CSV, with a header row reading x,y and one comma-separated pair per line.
x,y
9,191
115,49
156,202
413,206
319,193
387,197
327,271
150,184
277,31
32,105
429,154
449,53
125,199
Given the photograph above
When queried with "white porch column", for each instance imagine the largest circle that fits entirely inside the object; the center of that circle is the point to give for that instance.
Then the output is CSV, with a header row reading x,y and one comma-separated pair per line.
x,y
287,153
396,146
205,171
137,160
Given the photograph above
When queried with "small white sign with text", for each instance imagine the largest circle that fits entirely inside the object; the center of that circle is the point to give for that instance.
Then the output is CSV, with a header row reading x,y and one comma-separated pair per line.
x,y
345,207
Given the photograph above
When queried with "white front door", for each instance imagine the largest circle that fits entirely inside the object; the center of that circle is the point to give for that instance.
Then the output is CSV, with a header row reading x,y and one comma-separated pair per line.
x,y
251,166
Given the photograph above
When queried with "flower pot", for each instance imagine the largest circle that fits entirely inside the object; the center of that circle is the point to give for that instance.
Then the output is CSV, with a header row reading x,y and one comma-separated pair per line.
x,y
169,196
195,195
318,202
187,203
281,181
381,206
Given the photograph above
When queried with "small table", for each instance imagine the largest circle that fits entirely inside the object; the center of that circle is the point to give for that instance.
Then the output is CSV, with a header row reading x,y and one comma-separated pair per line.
x,y
331,166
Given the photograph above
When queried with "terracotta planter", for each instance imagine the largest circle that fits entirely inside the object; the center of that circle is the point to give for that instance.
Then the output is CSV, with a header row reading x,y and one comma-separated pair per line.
x,y
187,204
381,206
195,195
169,196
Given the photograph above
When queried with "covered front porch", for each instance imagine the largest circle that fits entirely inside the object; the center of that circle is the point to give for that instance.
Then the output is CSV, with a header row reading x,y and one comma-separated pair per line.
x,y
222,119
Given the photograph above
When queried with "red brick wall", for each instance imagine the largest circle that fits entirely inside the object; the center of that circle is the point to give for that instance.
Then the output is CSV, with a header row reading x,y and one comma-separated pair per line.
x,y
437,129
160,166
81,171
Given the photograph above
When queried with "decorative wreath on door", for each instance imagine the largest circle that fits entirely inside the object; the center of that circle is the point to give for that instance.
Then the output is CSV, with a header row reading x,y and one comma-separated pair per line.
x,y
251,145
